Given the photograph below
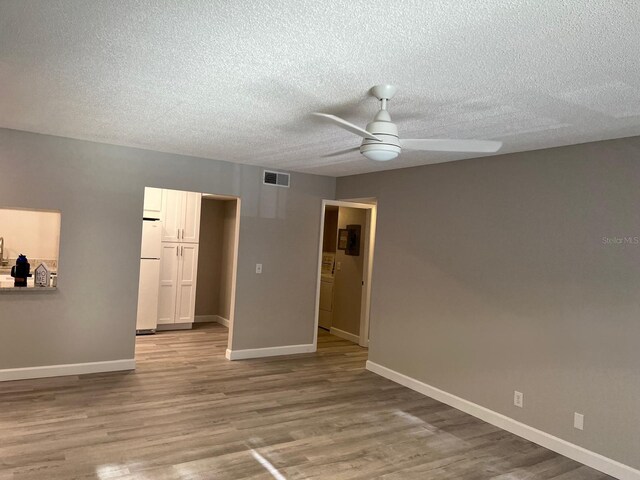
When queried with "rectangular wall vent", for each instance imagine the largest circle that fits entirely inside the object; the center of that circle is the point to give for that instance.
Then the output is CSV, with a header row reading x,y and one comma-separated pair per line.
x,y
276,178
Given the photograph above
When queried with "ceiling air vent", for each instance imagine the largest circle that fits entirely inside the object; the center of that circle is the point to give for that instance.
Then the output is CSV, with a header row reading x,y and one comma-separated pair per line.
x,y
276,178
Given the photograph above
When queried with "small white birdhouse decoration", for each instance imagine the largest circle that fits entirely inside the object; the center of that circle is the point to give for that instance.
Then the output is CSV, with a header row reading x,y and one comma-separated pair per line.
x,y
41,275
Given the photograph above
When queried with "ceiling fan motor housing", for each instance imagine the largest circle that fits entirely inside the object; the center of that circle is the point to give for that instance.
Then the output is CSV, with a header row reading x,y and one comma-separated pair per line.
x,y
386,131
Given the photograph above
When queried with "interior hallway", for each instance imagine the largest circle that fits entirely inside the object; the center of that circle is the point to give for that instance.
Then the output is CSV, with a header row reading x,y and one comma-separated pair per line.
x,y
188,413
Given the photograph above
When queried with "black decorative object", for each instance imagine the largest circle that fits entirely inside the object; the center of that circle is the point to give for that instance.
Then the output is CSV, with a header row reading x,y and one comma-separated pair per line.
x,y
20,271
353,240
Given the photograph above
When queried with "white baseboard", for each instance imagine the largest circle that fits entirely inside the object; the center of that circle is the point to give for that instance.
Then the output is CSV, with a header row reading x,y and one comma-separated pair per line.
x,y
570,450
68,369
346,335
211,319
270,351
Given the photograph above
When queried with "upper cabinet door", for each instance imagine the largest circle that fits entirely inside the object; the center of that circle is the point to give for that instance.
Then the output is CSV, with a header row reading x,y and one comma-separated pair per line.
x,y
153,202
172,215
191,224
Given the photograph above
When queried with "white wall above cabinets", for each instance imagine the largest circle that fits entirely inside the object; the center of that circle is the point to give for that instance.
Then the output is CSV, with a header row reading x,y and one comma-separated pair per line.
x,y
178,278
180,216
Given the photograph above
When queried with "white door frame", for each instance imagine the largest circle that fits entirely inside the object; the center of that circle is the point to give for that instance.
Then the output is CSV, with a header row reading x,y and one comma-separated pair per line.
x,y
234,275
369,245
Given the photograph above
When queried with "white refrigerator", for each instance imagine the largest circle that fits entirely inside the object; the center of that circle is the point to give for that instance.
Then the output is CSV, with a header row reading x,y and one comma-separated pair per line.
x,y
149,276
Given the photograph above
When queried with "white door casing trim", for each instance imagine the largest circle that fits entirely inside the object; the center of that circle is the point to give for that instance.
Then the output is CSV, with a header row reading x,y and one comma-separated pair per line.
x,y
234,276
363,340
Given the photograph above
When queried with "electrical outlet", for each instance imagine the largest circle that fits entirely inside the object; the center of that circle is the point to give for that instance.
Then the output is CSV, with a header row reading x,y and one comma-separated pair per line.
x,y
338,266
258,268
578,421
518,399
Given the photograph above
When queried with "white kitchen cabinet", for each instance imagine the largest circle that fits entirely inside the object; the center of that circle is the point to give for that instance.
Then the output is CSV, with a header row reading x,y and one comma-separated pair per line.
x,y
325,316
178,278
172,213
168,289
152,202
191,219
187,277
181,216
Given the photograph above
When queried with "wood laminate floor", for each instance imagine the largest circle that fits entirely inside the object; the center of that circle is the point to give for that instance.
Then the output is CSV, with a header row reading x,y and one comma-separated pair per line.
x,y
187,413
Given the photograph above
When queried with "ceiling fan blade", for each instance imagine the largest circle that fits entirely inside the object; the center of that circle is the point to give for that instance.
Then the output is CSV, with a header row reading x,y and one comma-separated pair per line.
x,y
450,145
341,152
348,126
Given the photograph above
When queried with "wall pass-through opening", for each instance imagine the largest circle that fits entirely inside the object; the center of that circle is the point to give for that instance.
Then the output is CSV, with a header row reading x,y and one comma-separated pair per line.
x,y
188,260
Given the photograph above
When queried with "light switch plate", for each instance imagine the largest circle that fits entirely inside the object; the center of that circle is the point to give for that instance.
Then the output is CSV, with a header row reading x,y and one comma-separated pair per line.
x,y
258,268
518,399
578,421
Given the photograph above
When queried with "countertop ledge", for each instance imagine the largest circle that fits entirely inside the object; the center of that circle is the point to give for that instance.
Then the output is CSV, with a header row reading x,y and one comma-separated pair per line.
x,y
27,289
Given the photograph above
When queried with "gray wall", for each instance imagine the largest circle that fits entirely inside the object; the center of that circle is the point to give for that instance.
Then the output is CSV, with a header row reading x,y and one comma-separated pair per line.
x,y
492,275
99,190
210,257
330,231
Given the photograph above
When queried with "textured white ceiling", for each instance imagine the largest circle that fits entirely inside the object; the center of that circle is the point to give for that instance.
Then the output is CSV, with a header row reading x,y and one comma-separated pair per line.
x,y
236,80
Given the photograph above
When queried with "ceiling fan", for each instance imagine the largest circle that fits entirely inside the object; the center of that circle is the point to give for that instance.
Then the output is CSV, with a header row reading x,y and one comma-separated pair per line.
x,y
382,143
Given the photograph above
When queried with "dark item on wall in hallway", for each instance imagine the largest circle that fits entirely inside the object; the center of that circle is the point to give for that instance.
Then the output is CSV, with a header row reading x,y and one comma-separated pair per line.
x,y
353,240
343,239
20,271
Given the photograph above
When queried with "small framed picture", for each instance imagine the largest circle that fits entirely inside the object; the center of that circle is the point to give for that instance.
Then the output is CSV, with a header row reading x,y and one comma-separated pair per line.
x,y
343,239
353,240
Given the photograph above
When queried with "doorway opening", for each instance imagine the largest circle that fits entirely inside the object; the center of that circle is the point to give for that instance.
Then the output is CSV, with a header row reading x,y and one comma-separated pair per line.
x,y
188,261
345,262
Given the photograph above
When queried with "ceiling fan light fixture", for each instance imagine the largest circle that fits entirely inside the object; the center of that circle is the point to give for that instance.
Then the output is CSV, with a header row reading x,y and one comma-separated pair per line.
x,y
380,155
381,140
387,146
